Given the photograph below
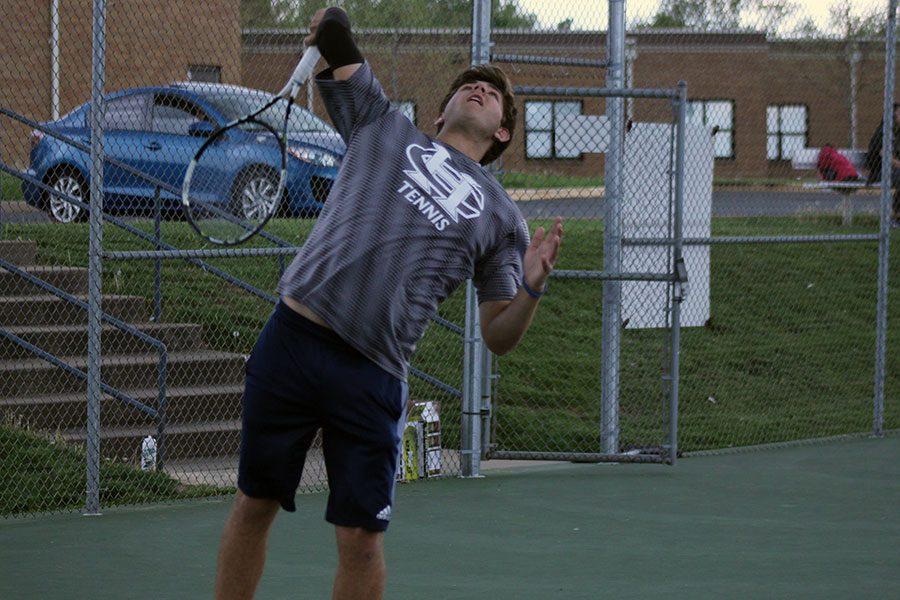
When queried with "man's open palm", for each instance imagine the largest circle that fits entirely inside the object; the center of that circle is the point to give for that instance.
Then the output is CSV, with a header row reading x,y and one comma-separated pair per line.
x,y
540,258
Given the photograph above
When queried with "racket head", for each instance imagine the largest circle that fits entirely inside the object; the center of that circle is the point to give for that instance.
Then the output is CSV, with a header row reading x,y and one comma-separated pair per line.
x,y
235,182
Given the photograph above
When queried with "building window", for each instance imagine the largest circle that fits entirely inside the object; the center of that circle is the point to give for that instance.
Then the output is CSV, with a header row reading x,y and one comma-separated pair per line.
x,y
787,128
407,108
205,73
719,116
545,132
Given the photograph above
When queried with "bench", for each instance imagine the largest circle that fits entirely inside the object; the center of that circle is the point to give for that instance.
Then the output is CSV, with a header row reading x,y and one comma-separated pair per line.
x,y
807,158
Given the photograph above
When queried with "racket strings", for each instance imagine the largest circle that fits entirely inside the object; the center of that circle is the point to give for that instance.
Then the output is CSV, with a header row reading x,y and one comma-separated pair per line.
x,y
235,182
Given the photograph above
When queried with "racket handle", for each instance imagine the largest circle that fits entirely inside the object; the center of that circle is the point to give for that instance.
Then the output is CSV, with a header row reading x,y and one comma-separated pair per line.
x,y
301,73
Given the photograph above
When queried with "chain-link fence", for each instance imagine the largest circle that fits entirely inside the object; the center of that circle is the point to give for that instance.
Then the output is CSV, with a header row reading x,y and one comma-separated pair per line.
x,y
794,95
784,249
549,401
780,338
177,327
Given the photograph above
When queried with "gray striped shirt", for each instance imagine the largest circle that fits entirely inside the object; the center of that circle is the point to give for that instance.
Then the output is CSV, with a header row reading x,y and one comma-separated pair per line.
x,y
407,220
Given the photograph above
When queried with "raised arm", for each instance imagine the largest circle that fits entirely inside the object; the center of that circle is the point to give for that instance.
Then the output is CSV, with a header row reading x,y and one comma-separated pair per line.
x,y
349,89
503,323
330,31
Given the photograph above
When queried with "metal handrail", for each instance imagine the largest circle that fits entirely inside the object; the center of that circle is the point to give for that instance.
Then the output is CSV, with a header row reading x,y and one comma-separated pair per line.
x,y
211,269
162,365
141,234
159,184
58,362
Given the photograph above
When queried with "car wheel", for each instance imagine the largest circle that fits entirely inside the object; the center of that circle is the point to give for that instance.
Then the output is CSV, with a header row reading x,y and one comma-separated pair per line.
x,y
72,185
254,196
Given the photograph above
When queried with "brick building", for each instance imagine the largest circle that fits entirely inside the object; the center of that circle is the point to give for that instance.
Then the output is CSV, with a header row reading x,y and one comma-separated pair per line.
x,y
767,97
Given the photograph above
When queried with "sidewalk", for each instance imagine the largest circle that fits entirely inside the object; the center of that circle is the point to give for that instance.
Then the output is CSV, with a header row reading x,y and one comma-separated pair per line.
x,y
17,206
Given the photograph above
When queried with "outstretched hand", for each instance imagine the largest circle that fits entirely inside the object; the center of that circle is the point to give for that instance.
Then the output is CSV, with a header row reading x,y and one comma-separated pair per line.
x,y
540,258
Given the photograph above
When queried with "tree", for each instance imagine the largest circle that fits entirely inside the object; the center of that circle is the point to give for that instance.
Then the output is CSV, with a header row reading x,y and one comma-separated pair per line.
x,y
772,15
698,14
807,29
257,13
848,26
712,15
384,13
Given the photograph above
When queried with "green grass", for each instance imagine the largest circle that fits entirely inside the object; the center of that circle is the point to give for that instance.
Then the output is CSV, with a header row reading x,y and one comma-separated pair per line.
x,y
787,354
512,180
754,182
48,475
10,188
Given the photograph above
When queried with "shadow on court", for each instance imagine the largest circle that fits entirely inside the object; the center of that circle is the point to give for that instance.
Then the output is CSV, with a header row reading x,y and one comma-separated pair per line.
x,y
818,521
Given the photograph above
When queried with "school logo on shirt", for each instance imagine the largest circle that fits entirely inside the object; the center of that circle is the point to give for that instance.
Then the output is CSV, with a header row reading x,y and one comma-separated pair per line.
x,y
437,189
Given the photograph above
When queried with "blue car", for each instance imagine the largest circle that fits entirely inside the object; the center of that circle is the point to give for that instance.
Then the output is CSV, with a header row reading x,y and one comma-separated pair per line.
x,y
157,130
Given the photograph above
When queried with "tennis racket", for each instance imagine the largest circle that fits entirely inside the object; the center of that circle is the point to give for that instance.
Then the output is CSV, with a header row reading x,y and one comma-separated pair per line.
x,y
235,181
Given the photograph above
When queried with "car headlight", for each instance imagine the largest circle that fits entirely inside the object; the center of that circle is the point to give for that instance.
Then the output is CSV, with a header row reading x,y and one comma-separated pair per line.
x,y
316,157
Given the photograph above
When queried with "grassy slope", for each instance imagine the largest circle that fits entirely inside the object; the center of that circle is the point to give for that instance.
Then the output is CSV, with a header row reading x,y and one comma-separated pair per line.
x,y
47,476
787,354
10,188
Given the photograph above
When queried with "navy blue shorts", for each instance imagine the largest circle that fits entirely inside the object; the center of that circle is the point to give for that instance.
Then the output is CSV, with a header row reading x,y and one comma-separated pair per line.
x,y
302,377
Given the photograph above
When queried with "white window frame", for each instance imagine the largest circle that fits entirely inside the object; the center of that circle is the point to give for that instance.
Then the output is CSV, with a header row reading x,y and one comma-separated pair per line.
x,y
554,149
779,134
703,104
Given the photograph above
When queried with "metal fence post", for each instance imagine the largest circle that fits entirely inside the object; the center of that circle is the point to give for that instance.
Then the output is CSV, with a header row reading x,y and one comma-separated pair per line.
x,y
471,401
612,235
677,268
884,238
95,265
472,369
157,264
487,375
481,32
854,56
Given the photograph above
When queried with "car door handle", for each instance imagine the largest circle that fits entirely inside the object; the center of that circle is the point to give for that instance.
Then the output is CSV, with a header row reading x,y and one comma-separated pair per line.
x,y
153,146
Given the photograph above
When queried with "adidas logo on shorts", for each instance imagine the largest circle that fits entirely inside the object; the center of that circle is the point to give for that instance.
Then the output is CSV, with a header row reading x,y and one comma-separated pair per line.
x,y
384,514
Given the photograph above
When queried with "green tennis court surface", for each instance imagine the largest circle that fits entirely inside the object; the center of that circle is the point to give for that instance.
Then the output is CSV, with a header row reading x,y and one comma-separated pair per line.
x,y
818,521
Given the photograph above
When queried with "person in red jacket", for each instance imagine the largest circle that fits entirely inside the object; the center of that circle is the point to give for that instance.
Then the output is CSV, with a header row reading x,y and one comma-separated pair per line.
x,y
834,166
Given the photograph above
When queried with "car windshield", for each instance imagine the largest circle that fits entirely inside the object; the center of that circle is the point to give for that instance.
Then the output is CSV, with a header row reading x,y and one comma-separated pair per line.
x,y
237,104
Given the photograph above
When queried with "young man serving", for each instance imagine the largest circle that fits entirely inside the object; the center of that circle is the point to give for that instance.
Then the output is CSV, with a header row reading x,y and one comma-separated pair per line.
x,y
410,217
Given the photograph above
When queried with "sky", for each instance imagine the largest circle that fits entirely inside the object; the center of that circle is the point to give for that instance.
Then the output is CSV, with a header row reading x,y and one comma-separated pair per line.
x,y
591,14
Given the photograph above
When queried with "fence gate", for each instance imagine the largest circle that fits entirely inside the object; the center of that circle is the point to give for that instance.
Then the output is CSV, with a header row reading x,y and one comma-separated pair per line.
x,y
577,389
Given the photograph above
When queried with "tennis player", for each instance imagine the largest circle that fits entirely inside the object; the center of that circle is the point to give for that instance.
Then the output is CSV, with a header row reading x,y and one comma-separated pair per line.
x,y
410,217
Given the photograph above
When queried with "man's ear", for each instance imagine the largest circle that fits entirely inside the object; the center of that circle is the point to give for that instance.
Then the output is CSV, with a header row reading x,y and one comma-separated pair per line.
x,y
439,122
502,135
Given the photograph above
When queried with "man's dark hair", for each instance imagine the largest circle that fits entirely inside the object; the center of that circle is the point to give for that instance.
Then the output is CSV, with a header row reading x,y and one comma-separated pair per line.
x,y
497,78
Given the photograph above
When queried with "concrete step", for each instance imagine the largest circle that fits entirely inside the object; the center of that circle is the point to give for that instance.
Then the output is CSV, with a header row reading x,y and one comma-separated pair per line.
x,y
69,411
72,339
21,253
69,279
204,439
50,310
35,377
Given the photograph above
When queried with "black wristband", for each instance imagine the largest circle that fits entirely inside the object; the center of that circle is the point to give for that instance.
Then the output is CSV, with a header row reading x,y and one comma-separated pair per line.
x,y
334,40
533,293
